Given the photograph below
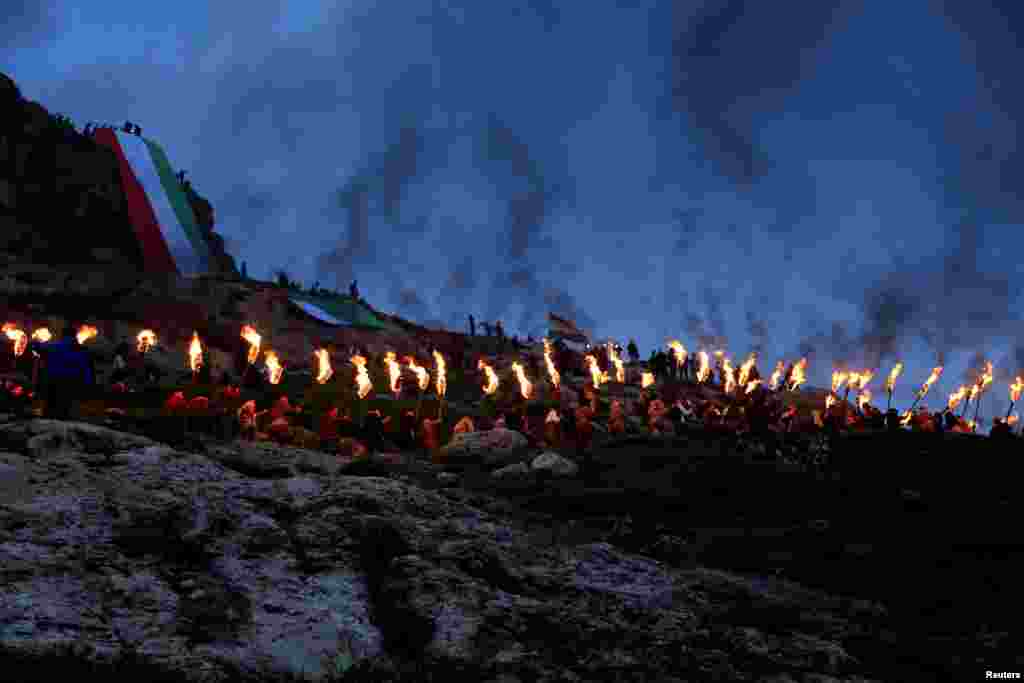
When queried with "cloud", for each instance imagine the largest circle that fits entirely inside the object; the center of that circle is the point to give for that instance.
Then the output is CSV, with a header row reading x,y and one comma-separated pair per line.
x,y
28,23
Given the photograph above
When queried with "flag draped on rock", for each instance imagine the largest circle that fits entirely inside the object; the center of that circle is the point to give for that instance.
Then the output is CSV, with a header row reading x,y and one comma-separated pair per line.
x,y
160,212
336,310
566,329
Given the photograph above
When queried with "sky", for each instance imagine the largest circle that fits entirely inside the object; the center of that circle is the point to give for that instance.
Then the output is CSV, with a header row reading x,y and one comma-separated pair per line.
x,y
836,180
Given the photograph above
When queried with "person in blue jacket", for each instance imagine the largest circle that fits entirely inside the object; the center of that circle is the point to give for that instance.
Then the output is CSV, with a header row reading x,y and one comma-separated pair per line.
x,y
70,372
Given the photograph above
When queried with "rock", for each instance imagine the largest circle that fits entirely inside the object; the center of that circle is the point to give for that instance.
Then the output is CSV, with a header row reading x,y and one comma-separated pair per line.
x,y
516,471
554,464
447,478
494,447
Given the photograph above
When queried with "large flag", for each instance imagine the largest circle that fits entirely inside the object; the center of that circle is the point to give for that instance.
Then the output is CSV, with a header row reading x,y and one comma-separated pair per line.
x,y
336,310
160,213
566,329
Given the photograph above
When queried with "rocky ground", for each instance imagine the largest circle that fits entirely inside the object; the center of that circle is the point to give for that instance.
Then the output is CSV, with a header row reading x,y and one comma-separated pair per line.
x,y
695,558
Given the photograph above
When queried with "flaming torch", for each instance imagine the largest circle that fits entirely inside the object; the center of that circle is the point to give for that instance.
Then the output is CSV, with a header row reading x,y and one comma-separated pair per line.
x,y
798,376
890,383
932,378
145,340
525,387
1015,390
422,382
440,381
704,369
250,335
17,336
983,382
955,398
863,398
274,366
85,333
324,369
363,384
620,369
646,380
780,368
746,368
394,372
555,378
729,375
596,376
492,378
43,335
679,352
195,355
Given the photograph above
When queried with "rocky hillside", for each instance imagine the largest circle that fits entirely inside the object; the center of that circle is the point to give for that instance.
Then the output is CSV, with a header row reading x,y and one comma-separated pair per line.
x,y
61,200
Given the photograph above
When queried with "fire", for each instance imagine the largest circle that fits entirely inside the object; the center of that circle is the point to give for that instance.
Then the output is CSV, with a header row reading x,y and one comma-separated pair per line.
x,y
972,425
780,368
363,383
1016,388
1012,420
394,370
422,375
798,374
492,377
85,333
613,356
525,387
552,372
646,379
145,339
324,371
864,378
16,335
553,417
704,369
890,383
986,377
747,366
42,334
596,375
440,374
274,366
679,351
956,397
195,352
752,384
250,335
931,380
975,390
837,379
830,400
907,417
730,375
863,398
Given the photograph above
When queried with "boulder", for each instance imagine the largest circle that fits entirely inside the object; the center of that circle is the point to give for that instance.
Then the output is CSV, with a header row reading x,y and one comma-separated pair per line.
x,y
554,464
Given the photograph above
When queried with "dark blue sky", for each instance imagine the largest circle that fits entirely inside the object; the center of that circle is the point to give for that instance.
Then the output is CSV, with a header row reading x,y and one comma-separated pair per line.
x,y
841,181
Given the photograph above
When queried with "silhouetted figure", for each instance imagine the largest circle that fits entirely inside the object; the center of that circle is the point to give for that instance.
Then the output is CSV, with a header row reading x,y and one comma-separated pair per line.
x,y
633,351
472,325
128,127
70,372
892,420
514,421
88,129
181,177
487,329
499,330
138,130
245,273
1001,430
353,289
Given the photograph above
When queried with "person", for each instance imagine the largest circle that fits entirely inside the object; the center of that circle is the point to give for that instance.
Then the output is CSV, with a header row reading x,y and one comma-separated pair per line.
x,y
472,325
499,330
138,130
353,290
245,273
121,355
70,372
633,351
127,127
487,329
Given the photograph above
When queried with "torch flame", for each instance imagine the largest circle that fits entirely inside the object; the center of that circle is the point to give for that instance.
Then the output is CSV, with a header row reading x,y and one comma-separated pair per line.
x,y
274,366
830,401
492,377
730,375
646,379
752,384
249,334
363,384
956,397
394,370
525,387
986,377
863,398
324,369
907,416
145,339
747,366
440,373
704,369
42,334
552,372
780,368
596,375
865,377
975,390
85,333
679,351
893,374
19,338
837,379
422,376
1012,420
931,380
553,416
620,370
798,374
195,352
1016,388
